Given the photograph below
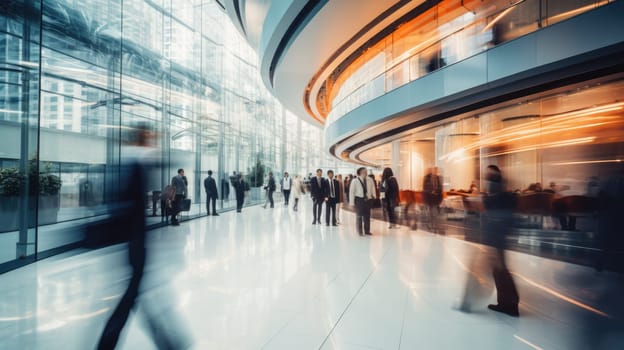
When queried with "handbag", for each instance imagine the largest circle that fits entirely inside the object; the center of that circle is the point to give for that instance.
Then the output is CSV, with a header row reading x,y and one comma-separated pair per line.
x,y
185,205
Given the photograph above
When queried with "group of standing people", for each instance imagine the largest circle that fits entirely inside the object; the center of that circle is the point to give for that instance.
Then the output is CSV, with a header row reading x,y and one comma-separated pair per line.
x,y
359,191
288,186
363,190
328,191
174,195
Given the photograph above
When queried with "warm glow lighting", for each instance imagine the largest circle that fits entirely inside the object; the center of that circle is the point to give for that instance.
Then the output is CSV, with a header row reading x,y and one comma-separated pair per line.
x,y
566,14
546,126
499,17
561,296
555,144
589,162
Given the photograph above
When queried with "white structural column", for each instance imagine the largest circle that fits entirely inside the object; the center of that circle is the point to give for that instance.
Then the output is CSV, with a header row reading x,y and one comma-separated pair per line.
x,y
396,160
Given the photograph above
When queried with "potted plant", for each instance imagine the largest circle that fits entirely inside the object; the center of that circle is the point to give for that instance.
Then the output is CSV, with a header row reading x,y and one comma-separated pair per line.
x,y
11,181
48,192
256,180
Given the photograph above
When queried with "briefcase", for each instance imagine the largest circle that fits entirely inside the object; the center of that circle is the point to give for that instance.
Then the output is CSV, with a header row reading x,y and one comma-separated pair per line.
x,y
186,205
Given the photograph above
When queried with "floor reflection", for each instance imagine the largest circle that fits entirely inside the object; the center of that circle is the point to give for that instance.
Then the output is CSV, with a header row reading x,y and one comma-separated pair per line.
x,y
267,279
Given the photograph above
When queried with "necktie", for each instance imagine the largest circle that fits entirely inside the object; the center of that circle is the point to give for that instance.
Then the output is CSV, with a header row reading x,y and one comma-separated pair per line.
x,y
331,186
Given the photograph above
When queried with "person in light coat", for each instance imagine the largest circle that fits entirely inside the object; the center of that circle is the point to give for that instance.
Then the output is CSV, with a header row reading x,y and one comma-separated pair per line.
x,y
297,192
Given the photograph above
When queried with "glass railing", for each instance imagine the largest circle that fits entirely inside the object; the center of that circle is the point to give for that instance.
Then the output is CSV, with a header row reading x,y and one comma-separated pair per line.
x,y
452,41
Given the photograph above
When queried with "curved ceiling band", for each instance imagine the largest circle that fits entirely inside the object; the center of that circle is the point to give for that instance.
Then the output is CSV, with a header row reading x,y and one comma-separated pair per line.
x,y
311,8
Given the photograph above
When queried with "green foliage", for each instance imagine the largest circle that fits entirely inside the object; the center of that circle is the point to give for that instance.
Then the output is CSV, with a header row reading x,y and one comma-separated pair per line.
x,y
256,175
49,184
11,181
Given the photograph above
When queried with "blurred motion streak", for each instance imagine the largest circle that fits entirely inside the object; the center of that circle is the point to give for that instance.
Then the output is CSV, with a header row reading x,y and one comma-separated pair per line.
x,y
561,296
527,342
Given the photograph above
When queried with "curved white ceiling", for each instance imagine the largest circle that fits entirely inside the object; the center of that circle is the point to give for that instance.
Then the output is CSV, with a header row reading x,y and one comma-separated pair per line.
x,y
336,23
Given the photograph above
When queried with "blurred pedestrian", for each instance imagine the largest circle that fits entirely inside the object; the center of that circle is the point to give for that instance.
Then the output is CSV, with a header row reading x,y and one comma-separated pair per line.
x,y
271,189
240,186
130,211
347,183
499,206
432,197
341,197
225,188
298,190
610,208
390,189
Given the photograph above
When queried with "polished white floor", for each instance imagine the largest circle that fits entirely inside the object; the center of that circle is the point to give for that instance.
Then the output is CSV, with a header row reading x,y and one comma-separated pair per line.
x,y
268,279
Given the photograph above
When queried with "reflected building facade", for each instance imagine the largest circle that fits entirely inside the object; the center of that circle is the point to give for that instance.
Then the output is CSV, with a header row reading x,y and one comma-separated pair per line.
x,y
75,74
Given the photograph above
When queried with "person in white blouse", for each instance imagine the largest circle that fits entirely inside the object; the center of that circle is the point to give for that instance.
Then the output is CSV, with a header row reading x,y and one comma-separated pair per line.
x,y
286,185
361,191
297,191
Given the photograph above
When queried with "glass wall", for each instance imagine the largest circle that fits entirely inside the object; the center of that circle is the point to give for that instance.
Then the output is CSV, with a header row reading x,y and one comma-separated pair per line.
x,y
565,144
449,32
75,74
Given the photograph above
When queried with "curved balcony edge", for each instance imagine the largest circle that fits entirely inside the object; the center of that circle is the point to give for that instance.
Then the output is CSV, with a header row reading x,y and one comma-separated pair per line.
x,y
583,48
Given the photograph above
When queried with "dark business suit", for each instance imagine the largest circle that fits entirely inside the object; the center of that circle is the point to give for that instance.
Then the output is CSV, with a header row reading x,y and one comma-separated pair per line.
x,y
210,185
392,198
130,211
270,189
499,207
180,185
332,193
318,196
240,186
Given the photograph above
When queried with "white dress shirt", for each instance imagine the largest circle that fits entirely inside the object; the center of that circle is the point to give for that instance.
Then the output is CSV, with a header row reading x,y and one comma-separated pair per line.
x,y
356,189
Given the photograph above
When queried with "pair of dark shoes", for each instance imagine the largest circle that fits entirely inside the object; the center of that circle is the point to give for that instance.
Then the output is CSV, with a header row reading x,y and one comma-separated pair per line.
x,y
511,310
215,214
175,223
316,222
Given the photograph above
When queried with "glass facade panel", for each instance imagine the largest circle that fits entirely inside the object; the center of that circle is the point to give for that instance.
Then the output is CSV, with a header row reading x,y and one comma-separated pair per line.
x,y
103,66
19,139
